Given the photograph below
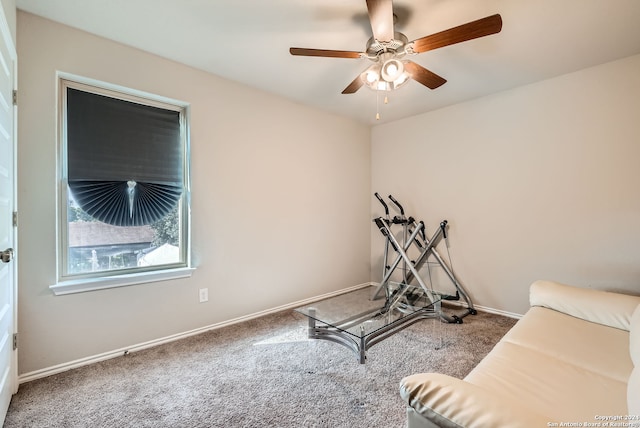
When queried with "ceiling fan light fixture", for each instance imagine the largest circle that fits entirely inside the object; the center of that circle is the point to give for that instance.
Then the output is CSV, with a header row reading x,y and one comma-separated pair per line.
x,y
401,80
392,69
371,76
375,77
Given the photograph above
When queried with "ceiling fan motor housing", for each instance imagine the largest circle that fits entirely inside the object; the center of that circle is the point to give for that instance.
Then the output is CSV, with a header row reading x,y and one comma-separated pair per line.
x,y
376,48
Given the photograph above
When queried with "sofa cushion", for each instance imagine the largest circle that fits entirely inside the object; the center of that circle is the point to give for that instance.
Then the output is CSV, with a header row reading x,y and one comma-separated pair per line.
x,y
634,337
633,393
559,389
591,346
453,403
603,307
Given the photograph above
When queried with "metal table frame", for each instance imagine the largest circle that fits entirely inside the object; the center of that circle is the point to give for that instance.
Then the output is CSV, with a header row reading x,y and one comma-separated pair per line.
x,y
337,331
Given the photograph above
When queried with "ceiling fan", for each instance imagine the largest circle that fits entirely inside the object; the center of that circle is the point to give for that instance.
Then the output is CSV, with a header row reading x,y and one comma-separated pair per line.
x,y
388,48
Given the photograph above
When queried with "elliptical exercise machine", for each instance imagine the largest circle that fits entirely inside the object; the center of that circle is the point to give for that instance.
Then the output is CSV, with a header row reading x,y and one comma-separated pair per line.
x,y
412,237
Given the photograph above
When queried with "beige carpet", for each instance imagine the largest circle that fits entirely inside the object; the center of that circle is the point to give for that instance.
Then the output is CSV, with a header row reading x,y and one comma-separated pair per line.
x,y
261,373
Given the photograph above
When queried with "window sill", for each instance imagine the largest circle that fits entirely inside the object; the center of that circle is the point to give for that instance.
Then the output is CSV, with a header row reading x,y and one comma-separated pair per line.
x,y
91,284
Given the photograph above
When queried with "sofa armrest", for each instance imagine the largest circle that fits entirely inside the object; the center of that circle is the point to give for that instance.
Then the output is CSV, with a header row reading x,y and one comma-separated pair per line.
x,y
452,403
602,307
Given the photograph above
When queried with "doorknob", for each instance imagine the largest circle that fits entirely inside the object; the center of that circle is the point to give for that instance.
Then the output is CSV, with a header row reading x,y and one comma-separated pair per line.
x,y
7,255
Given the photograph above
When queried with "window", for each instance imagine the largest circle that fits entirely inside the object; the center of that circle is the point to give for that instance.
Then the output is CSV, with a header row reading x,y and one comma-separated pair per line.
x,y
124,187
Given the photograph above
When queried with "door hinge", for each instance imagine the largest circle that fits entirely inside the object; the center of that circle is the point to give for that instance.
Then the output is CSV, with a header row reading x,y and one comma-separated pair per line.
x,y
15,97
15,341
15,219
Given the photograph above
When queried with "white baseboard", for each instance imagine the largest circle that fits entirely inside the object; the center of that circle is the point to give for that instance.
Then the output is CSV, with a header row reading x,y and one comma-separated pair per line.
x,y
37,374
493,311
480,308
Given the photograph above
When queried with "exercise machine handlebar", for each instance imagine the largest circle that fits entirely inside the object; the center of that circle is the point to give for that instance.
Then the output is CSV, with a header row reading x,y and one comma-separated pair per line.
x,y
386,208
397,204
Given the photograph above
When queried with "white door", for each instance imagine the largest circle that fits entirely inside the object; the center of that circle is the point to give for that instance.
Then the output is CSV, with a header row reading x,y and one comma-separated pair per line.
x,y
8,360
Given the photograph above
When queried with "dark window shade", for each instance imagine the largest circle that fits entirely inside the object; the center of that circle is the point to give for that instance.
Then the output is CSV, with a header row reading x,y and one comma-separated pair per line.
x,y
124,160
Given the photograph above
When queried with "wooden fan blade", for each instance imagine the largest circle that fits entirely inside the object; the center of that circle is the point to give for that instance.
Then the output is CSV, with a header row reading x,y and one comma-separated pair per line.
x,y
324,53
353,86
381,17
424,76
471,30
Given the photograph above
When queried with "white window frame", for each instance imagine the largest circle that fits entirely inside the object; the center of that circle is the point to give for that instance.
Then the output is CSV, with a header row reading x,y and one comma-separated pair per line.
x,y
75,283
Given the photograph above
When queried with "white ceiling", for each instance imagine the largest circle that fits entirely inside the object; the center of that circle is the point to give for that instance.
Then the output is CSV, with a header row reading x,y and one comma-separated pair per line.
x,y
248,41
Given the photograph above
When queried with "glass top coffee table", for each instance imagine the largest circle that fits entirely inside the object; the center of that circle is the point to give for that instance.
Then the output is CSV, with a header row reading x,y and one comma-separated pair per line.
x,y
358,322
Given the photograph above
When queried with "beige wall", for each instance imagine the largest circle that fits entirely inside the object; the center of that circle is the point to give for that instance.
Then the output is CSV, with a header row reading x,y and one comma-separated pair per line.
x,y
539,182
280,202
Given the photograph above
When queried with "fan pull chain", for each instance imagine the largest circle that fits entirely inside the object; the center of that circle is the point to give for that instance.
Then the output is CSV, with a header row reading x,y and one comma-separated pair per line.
x,y
386,101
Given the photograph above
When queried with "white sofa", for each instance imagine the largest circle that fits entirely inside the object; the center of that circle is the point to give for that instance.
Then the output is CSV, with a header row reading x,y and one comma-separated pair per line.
x,y
569,361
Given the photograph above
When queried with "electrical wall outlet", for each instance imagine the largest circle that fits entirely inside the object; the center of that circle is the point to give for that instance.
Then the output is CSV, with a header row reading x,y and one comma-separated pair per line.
x,y
204,295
